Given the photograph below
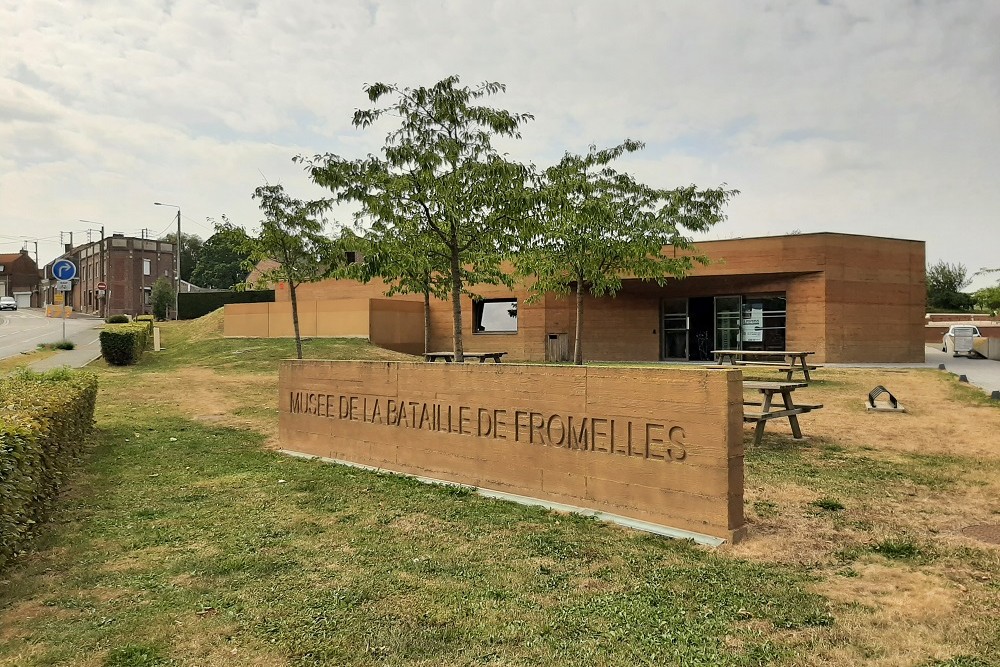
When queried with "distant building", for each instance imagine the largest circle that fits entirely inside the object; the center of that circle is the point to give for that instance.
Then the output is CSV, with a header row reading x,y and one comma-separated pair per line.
x,y
19,278
127,265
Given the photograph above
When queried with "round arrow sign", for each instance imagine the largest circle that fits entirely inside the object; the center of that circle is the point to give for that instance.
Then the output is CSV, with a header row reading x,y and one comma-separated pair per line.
x,y
63,269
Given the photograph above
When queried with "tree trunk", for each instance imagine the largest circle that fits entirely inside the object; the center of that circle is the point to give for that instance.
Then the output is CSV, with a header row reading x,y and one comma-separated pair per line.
x,y
577,344
427,319
456,301
295,319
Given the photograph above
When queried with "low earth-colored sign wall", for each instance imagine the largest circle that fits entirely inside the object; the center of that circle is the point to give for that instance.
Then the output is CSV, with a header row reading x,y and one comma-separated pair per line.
x,y
658,445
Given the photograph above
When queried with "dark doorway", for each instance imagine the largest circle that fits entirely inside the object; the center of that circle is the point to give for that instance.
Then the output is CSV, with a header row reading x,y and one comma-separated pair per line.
x,y
702,316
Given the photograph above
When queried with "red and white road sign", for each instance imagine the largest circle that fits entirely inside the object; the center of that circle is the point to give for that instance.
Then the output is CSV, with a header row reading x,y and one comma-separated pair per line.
x,y
102,286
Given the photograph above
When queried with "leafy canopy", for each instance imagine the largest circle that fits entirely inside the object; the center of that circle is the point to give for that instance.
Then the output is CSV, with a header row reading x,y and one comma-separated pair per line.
x,y
440,206
599,225
222,258
945,283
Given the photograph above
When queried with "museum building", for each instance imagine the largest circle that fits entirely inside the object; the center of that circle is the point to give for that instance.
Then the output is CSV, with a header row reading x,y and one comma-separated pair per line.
x,y
845,297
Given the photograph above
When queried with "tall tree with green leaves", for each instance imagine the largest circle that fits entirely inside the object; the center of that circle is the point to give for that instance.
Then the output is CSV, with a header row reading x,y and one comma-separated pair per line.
x,y
945,283
190,251
599,225
222,258
292,241
440,200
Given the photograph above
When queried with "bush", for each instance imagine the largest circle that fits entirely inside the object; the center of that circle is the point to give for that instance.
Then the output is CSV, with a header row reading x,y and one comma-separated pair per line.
x,y
117,319
144,318
123,344
65,345
45,419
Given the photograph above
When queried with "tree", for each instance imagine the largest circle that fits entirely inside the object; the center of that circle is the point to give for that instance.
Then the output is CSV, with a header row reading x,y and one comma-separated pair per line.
x,y
439,189
598,225
945,283
988,298
222,258
291,239
190,250
163,297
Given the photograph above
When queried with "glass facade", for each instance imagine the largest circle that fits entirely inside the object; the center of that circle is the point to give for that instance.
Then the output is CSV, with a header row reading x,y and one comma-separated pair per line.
x,y
732,322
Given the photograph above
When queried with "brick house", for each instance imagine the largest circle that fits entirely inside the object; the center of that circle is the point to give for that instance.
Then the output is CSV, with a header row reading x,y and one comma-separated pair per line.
x,y
19,278
127,265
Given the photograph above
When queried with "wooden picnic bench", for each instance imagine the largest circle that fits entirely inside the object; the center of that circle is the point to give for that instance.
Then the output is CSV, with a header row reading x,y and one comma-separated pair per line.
x,y
449,357
793,360
765,409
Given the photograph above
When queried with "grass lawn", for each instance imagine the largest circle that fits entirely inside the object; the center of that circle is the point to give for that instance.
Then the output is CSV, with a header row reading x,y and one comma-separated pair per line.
x,y
185,540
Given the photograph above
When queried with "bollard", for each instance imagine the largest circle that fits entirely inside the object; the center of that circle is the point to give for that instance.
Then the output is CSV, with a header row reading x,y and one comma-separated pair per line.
x,y
995,395
962,378
941,367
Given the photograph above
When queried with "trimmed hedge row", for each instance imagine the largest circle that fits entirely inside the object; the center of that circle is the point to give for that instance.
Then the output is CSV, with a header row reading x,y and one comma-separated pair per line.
x,y
123,344
193,305
45,419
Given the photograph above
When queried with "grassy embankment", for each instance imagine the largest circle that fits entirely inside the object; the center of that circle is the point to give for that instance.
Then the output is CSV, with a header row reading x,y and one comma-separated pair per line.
x,y
184,541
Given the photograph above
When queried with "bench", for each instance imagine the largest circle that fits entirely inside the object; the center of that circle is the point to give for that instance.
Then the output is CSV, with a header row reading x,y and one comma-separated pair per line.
x,y
767,408
781,366
449,357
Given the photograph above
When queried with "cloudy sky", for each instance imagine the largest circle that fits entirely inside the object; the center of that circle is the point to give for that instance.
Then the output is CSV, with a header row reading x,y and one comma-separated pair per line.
x,y
871,117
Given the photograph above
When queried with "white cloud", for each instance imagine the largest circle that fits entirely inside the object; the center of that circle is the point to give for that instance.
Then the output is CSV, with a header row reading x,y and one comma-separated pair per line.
x,y
877,118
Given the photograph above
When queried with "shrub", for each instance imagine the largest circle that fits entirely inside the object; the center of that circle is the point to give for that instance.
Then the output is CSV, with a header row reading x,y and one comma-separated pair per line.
x,y
163,298
144,318
123,344
117,319
44,421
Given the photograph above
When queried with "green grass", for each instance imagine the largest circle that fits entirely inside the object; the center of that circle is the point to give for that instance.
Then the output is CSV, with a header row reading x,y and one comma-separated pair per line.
x,y
834,471
244,355
322,564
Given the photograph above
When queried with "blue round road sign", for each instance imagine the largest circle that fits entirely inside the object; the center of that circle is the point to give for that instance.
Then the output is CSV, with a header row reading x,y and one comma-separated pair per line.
x,y
63,269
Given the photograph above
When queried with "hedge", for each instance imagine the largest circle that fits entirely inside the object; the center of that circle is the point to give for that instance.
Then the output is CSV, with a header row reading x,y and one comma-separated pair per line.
x,y
123,344
195,304
117,319
45,419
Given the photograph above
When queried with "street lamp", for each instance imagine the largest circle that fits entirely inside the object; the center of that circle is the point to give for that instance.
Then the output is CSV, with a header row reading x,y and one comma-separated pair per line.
x,y
177,250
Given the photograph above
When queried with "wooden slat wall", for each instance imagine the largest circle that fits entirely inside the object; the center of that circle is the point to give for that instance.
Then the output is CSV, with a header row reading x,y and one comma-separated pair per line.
x,y
695,483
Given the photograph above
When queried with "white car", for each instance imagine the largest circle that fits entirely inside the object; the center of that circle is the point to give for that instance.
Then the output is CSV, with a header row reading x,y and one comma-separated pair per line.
x,y
8,303
963,330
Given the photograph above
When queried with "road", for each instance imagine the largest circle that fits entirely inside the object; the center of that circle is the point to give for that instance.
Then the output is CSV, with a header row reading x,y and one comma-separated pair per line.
x,y
24,329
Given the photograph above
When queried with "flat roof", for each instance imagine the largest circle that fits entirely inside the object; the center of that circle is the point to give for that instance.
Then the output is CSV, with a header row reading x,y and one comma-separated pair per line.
x,y
783,236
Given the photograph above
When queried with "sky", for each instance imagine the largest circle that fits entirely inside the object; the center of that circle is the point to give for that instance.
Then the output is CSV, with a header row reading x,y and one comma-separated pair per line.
x,y
879,118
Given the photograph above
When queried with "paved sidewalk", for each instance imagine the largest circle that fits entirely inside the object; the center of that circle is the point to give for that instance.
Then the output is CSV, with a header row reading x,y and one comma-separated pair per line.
x,y
983,373
88,348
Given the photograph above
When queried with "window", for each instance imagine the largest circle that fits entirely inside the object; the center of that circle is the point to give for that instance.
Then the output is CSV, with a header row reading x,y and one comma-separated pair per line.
x,y
145,267
763,324
352,257
494,316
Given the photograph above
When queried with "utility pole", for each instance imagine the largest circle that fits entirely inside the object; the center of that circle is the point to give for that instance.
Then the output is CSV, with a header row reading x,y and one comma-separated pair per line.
x,y
177,254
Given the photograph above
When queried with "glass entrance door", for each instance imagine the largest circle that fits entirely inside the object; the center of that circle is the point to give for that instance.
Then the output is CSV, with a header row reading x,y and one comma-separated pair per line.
x,y
727,322
675,329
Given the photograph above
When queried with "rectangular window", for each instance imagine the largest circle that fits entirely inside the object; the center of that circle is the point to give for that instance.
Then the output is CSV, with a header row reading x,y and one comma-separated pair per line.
x,y
145,267
763,322
494,316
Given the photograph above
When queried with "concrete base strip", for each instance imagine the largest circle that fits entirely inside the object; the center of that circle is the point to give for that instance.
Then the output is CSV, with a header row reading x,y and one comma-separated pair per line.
x,y
645,526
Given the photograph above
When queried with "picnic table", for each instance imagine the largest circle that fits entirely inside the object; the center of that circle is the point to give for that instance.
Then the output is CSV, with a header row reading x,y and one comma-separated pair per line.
x,y
792,360
449,357
763,410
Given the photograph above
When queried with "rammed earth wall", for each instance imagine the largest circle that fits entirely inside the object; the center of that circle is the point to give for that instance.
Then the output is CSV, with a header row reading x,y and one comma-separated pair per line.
x,y
653,444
